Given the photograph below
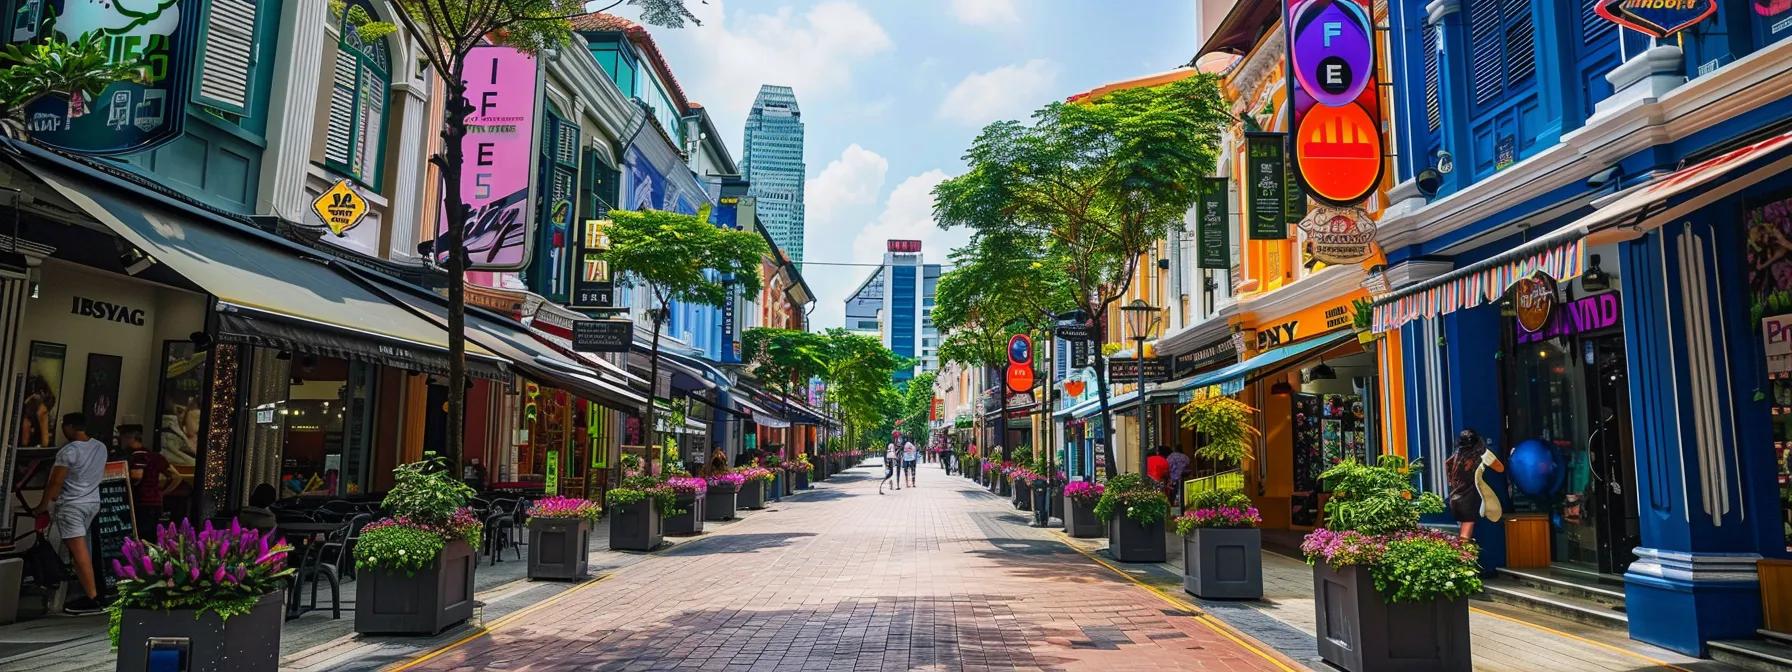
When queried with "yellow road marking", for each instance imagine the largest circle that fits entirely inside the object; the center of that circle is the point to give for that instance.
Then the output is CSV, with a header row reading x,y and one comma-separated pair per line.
x,y
494,626
1219,627
1615,649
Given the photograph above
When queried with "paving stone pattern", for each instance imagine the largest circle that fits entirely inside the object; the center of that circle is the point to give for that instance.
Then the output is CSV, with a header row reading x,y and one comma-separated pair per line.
x,y
937,577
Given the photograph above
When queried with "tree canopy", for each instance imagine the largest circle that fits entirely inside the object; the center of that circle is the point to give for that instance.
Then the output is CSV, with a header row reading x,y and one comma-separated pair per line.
x,y
1001,283
859,373
785,359
683,257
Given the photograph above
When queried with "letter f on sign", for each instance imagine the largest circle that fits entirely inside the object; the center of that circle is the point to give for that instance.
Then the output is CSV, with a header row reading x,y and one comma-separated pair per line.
x,y
1332,29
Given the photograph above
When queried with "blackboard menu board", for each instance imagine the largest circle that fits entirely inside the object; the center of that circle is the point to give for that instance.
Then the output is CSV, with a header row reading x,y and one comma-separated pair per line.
x,y
1264,185
117,520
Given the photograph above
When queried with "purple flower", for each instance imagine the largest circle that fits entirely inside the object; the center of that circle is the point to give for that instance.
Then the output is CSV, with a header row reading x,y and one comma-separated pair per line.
x,y
218,576
194,573
149,565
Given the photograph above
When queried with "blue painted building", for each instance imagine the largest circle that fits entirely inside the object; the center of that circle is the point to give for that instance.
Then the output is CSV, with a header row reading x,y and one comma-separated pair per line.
x,y
1585,247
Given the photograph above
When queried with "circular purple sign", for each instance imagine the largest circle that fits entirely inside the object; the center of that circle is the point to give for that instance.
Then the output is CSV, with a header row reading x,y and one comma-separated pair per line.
x,y
1333,51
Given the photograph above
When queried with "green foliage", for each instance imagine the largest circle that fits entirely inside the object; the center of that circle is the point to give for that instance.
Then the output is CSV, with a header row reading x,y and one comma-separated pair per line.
x,y
32,70
663,13
784,358
640,487
998,287
177,567
1228,425
859,371
1132,495
1362,314
1212,499
398,548
917,402
1376,500
673,253
426,491
1421,568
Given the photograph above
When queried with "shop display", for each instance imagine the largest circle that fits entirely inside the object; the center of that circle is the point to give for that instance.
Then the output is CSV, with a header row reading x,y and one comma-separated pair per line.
x,y
1328,429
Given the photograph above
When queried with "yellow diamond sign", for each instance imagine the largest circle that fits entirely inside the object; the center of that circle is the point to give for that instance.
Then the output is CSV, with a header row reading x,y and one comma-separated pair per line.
x,y
341,208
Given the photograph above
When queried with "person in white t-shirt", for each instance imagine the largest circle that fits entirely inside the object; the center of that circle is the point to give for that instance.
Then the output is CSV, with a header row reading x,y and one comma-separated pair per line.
x,y
892,456
910,457
72,499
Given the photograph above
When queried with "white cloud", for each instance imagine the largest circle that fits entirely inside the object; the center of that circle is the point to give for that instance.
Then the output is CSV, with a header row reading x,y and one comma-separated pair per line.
x,y
722,62
1007,92
847,186
985,12
907,215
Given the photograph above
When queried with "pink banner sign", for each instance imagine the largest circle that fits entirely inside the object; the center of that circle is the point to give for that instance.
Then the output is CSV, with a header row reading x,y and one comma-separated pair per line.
x,y
495,166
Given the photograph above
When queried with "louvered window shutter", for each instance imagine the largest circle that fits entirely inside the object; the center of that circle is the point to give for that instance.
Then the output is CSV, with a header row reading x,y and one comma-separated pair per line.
x,y
227,69
1521,43
566,143
1433,96
1486,57
339,139
371,113
1593,27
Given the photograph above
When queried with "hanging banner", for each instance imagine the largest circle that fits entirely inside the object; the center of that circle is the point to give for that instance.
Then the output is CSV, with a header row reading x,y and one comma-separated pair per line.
x,y
1297,197
125,117
1213,223
1264,177
496,159
1335,101
1657,18
1339,235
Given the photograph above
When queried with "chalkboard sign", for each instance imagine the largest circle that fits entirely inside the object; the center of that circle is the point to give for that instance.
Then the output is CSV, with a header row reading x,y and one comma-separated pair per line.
x,y
117,520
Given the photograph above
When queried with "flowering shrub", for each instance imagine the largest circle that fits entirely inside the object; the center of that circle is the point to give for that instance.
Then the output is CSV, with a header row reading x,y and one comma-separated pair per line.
x,y
728,481
1420,566
1372,521
641,487
1131,495
1208,499
566,507
1222,517
800,464
758,474
684,485
429,509
207,569
1085,492
1342,549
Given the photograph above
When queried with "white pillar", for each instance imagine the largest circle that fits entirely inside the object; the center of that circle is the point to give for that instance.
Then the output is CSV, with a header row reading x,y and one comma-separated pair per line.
x,y
407,187
292,110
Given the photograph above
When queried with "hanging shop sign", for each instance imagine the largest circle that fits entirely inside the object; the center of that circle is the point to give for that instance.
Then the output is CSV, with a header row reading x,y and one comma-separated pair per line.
x,y
592,288
1584,315
495,162
1224,351
1296,209
1075,326
1081,354
1656,18
1339,235
602,335
1335,102
1020,364
125,117
1075,387
1121,370
340,207
1213,223
1776,341
1535,300
1265,188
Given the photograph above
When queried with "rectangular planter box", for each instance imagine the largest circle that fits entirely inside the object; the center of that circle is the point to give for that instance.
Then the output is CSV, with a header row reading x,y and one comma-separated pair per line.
x,y
1223,564
636,527
718,504
1080,520
691,521
239,644
1004,486
1047,498
1129,541
1023,496
559,548
1361,633
428,602
752,495
774,490
802,480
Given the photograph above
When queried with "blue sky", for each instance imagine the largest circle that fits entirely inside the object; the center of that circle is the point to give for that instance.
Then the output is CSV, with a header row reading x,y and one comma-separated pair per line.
x,y
892,92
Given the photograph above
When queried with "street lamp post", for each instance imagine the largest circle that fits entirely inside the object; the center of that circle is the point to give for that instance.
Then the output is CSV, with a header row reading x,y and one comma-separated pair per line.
x,y
1141,320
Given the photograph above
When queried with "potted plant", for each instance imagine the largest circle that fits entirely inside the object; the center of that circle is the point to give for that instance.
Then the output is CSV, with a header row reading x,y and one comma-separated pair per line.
x,y
1134,511
689,495
799,469
721,499
415,567
560,537
220,589
1389,594
752,493
1045,495
636,509
1222,549
1022,478
1079,509
1362,320
774,486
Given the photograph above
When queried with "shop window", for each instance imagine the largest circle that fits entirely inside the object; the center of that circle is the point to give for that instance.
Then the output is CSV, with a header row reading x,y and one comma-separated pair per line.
x,y
317,419
356,89
1333,421
1770,293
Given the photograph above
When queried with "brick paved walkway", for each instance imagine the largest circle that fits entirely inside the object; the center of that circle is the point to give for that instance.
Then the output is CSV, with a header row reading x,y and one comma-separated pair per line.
x,y
939,577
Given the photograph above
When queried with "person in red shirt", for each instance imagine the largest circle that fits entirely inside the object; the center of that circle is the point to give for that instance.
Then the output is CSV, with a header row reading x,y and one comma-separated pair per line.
x,y
151,477
1157,466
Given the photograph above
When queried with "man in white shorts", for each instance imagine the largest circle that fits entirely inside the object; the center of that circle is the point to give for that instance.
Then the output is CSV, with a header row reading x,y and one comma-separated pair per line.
x,y
73,500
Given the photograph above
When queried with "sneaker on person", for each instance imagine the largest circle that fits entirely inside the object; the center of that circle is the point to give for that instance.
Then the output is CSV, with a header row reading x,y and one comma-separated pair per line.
x,y
83,606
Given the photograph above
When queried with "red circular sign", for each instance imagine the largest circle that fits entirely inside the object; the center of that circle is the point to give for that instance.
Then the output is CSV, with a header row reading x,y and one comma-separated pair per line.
x,y
1339,151
1020,378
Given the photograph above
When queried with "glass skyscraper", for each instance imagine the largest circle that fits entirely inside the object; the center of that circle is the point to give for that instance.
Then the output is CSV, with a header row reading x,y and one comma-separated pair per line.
x,y
774,165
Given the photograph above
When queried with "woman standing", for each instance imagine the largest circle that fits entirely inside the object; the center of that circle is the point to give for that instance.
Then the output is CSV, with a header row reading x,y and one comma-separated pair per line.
x,y
1470,498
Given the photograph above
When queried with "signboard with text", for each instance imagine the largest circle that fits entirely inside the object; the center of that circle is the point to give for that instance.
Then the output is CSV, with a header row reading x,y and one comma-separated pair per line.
x,y
496,158
1019,374
1125,370
1265,197
1335,103
1339,235
125,117
1213,224
592,288
602,335
1658,18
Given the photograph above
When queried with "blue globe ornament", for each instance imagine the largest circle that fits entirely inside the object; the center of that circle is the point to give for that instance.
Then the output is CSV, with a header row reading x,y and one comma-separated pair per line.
x,y
1534,469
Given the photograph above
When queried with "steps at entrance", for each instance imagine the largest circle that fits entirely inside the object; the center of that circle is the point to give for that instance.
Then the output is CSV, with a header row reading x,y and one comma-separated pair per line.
x,y
1593,605
1772,652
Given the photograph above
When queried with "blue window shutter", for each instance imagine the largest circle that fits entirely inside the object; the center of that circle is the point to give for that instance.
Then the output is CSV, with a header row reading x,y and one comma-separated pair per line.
x,y
1521,42
1433,97
1593,27
1486,52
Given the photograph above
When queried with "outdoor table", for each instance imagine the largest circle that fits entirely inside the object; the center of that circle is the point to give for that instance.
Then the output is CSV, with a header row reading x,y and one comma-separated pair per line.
x,y
301,535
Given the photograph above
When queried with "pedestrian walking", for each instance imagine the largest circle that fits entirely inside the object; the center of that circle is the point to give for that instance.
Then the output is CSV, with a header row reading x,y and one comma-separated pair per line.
x,y
911,456
891,455
72,500
1157,468
1470,497
1178,470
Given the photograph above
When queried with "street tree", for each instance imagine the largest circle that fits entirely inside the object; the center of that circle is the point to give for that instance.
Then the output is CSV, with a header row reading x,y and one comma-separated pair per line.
x,y
917,406
680,258
1095,182
785,359
445,31
858,374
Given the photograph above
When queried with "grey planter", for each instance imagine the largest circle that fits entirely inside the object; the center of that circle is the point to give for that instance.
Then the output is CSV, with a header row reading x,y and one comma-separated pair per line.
x,y
718,504
239,644
752,495
690,521
559,549
1223,564
1047,499
802,479
1129,541
1004,486
636,527
1023,495
1080,520
1360,632
774,490
434,599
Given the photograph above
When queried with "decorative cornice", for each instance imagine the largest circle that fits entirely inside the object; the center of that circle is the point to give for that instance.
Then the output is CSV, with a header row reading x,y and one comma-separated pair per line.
x,y
1409,273
1186,339
1329,283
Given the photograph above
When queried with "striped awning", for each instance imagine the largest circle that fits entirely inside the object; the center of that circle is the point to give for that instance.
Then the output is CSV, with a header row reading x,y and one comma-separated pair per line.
x,y
1561,255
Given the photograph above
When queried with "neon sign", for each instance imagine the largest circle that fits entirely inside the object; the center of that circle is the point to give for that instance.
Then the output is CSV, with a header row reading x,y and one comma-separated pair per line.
x,y
1657,18
1336,110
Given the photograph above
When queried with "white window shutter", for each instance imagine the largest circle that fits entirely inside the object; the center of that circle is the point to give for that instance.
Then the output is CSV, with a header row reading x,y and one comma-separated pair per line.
x,y
229,55
339,140
372,112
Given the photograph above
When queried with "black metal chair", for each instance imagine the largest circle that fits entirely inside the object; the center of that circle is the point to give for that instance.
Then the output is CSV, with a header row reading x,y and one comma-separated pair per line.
x,y
500,530
337,509
324,562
